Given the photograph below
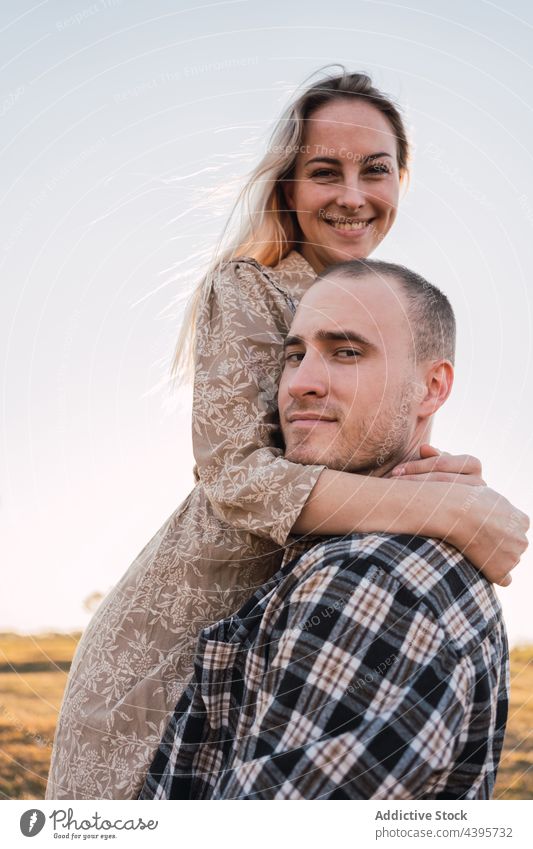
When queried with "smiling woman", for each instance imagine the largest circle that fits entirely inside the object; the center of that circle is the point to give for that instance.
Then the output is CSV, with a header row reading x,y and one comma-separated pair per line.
x,y
137,654
345,203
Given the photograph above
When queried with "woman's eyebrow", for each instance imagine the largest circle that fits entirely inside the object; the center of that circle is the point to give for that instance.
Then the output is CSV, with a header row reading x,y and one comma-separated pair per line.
x,y
332,160
329,159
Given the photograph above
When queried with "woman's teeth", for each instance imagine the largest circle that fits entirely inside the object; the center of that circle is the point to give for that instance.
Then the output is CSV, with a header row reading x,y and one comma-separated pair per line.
x,y
354,225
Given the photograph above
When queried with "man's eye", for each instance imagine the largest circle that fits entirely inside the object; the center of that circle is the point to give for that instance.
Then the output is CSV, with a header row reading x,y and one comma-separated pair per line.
x,y
294,357
348,353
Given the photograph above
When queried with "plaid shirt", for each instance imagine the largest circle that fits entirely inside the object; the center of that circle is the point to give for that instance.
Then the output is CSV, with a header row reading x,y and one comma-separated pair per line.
x,y
371,667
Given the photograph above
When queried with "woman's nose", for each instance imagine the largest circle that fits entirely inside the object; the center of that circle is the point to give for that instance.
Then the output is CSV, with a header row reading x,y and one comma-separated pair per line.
x,y
351,195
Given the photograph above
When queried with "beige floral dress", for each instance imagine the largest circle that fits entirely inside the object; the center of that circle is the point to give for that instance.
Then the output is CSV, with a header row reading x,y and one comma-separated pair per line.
x,y
136,656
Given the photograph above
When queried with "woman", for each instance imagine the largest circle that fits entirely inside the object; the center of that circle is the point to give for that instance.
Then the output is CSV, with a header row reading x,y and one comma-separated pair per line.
x,y
327,190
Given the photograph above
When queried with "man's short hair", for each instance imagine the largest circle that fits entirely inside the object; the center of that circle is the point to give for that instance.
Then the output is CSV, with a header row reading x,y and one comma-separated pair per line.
x,y
430,313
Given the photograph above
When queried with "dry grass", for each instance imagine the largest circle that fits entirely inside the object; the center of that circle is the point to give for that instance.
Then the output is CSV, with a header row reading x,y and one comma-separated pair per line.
x,y
515,775
33,673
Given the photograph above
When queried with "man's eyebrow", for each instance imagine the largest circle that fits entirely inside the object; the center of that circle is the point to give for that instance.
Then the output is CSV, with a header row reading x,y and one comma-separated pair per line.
x,y
292,340
343,336
332,336
332,160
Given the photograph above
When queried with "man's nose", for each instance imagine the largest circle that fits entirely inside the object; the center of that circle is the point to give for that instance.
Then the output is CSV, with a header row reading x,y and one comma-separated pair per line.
x,y
310,378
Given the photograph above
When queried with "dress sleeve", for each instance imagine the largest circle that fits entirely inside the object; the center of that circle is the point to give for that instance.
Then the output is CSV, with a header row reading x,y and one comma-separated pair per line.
x,y
238,362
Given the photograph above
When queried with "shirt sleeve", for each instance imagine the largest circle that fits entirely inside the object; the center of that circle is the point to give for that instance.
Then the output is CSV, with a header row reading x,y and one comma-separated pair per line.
x,y
363,699
238,363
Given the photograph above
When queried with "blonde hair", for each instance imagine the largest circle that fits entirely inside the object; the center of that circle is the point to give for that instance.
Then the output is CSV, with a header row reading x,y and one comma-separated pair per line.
x,y
268,230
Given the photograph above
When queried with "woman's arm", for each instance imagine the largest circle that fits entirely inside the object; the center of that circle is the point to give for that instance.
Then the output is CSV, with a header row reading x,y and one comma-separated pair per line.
x,y
487,528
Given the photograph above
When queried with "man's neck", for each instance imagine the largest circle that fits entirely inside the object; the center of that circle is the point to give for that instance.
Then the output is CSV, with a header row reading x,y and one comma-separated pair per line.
x,y
411,451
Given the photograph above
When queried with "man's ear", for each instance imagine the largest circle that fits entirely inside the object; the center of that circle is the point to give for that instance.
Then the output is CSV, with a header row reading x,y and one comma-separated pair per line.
x,y
435,387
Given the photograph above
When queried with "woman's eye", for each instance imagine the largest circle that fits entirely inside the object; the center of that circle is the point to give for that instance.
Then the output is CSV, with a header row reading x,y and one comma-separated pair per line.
x,y
323,173
380,168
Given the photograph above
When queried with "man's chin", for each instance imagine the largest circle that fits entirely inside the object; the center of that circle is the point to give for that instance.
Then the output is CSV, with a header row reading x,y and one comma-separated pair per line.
x,y
308,455
312,456
300,455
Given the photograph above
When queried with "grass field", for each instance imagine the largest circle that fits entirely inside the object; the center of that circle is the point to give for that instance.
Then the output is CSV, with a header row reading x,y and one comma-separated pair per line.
x,y
33,673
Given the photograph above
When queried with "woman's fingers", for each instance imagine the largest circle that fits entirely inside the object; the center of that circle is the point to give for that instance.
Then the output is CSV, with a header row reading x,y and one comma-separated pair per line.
x,y
455,464
445,477
427,450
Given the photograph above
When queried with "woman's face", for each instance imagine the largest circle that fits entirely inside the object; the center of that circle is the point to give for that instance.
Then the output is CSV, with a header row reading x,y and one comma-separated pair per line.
x,y
346,182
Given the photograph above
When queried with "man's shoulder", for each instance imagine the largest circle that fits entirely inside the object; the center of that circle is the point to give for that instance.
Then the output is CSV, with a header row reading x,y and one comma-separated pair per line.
x,y
419,563
420,573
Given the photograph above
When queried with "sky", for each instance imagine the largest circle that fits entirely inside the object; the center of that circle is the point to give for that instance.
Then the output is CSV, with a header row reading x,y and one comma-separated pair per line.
x,y
126,131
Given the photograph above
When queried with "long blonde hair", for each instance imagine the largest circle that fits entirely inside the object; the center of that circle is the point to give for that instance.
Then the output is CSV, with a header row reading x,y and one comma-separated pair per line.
x,y
268,230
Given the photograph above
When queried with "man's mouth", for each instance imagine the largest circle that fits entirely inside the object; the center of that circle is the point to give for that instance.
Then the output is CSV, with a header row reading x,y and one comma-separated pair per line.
x,y
309,417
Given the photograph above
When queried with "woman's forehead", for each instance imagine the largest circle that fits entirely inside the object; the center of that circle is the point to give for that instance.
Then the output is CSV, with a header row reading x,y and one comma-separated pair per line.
x,y
350,119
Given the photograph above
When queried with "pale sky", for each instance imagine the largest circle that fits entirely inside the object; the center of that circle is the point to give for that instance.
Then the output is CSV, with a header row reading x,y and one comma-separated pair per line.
x,y
126,127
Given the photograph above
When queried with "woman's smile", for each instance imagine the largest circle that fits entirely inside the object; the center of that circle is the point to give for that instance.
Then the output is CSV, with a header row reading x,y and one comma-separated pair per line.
x,y
345,226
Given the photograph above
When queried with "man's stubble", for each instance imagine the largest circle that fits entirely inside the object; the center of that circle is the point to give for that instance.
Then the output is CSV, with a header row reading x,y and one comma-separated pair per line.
x,y
372,446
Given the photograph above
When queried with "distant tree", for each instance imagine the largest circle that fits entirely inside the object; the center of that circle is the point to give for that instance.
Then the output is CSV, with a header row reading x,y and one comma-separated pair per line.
x,y
92,601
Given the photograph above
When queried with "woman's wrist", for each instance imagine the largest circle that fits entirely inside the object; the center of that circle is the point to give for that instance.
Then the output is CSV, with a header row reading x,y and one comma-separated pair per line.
x,y
445,505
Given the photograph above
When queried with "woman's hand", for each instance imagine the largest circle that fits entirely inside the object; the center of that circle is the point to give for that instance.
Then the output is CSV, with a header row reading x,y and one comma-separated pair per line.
x,y
435,465
490,532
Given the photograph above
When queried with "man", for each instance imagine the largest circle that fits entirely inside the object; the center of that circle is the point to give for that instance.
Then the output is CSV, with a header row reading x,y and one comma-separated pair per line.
x,y
372,666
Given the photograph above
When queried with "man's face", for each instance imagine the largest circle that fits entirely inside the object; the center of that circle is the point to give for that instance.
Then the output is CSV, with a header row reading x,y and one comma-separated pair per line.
x,y
347,396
